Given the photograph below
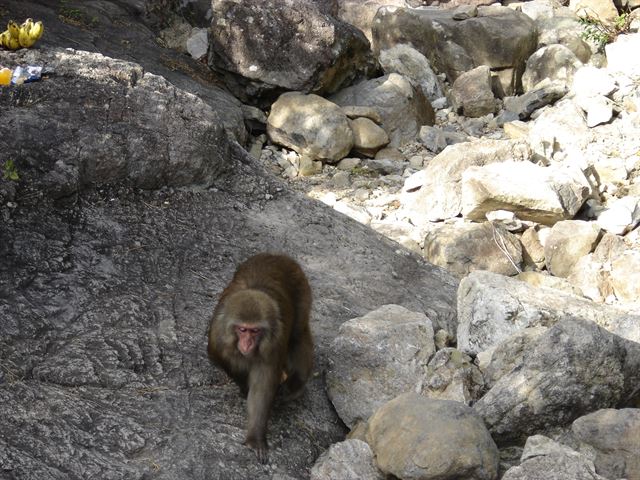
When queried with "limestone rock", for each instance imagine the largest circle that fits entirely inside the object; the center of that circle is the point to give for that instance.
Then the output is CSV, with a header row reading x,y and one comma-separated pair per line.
x,y
417,437
625,276
621,54
368,137
621,216
437,194
492,307
498,37
467,247
532,249
451,375
554,62
348,460
564,30
376,357
310,125
471,93
613,434
568,241
573,367
248,38
403,109
540,194
560,131
525,105
544,458
407,61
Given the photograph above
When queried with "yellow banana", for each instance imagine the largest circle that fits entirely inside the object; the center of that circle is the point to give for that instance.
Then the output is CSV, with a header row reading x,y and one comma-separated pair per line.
x,y
14,29
24,38
13,43
4,36
37,29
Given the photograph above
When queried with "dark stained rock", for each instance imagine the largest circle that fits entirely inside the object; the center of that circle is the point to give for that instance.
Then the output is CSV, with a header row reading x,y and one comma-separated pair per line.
x,y
498,37
266,47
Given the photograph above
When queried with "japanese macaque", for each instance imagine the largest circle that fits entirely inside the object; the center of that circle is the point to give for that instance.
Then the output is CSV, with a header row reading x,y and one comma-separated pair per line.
x,y
260,336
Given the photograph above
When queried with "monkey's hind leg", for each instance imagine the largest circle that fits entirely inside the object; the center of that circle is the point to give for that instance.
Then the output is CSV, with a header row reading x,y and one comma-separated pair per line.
x,y
299,367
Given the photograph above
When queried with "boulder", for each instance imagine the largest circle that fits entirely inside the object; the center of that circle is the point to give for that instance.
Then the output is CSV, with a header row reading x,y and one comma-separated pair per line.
x,y
361,13
435,193
613,435
402,108
310,125
451,375
564,30
541,194
567,242
498,37
417,437
492,307
376,357
347,460
248,39
368,137
625,276
464,248
554,63
524,105
471,93
573,368
545,458
406,60
621,55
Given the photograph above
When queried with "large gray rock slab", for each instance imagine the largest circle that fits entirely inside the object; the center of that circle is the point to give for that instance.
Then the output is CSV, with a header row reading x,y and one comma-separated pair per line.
x,y
541,194
500,38
377,357
545,458
573,368
417,437
152,133
265,47
492,307
107,291
402,108
126,31
435,192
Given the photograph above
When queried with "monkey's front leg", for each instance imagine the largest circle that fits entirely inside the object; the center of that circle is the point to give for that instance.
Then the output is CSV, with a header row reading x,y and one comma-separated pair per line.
x,y
263,383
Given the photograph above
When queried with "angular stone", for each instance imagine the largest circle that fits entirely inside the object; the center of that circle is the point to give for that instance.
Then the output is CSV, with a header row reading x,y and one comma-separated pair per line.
x,y
437,194
471,93
540,194
493,307
555,63
376,357
568,241
403,109
467,247
497,37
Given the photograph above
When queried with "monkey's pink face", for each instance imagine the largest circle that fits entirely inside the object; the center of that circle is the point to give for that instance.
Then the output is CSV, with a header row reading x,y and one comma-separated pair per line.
x,y
248,338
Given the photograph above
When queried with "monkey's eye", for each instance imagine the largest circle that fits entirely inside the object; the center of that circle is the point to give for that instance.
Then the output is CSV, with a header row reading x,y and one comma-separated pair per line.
x,y
254,330
242,329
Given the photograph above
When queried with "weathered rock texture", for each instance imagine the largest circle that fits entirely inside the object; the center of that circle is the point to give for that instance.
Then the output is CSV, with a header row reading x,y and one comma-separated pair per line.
x,y
412,435
265,47
500,38
107,291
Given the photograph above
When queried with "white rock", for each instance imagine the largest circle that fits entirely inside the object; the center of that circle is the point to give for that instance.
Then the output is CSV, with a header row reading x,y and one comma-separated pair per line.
x,y
621,217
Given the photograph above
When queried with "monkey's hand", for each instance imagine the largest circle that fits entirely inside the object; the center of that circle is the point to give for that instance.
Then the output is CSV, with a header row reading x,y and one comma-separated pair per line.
x,y
259,445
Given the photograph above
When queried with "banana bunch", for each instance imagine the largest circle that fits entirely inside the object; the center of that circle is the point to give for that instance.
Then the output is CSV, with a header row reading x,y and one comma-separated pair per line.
x,y
23,36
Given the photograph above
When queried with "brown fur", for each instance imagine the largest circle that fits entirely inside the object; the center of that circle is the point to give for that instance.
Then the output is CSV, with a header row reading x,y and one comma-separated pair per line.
x,y
270,292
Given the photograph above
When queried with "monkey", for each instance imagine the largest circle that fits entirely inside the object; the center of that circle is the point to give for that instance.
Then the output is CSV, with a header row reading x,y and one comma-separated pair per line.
x,y
260,336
